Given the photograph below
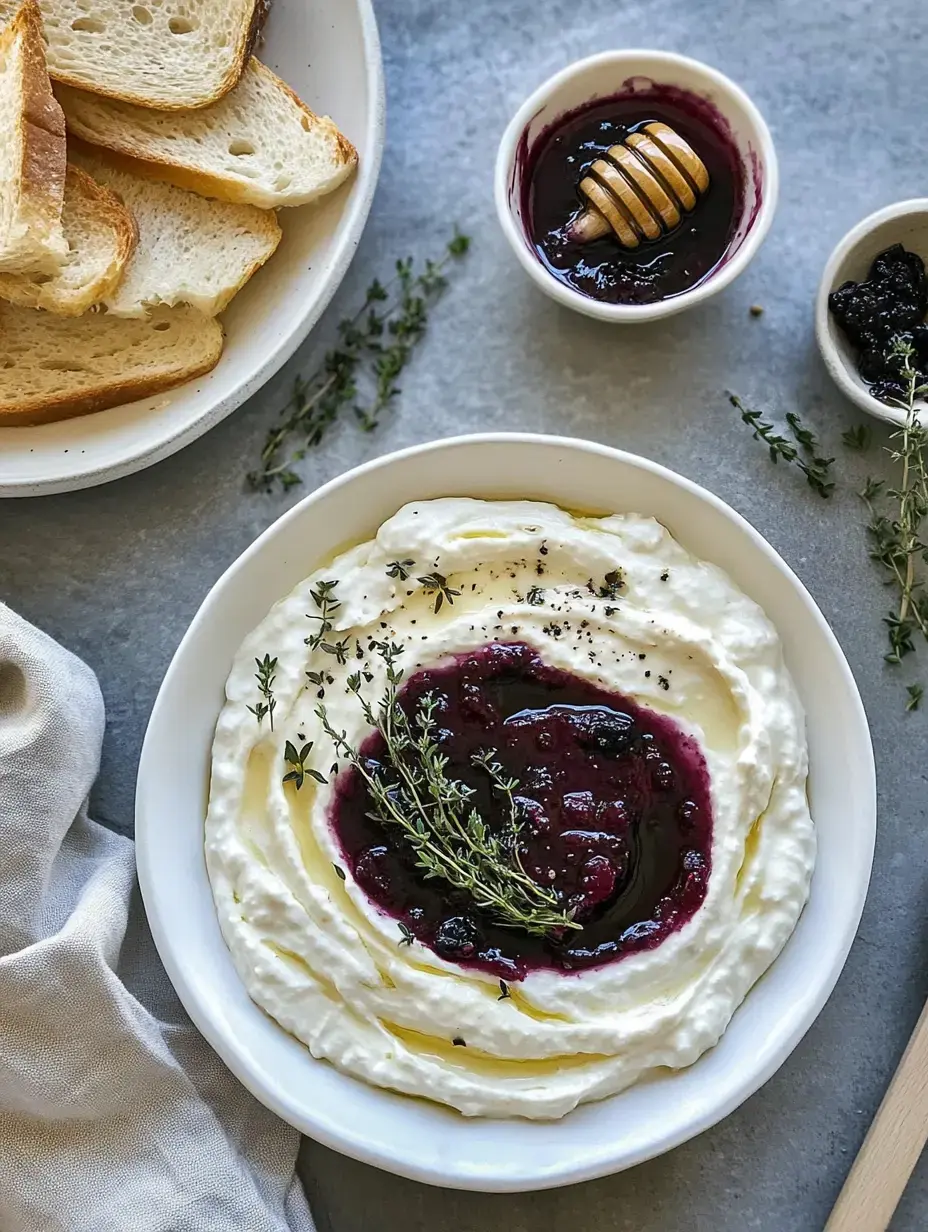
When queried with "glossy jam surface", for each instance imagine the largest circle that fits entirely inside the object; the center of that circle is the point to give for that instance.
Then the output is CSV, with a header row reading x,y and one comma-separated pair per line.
x,y
615,807
891,303
558,160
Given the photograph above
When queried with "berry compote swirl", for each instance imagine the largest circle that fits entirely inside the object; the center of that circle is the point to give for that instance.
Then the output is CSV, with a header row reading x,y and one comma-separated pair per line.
x,y
614,803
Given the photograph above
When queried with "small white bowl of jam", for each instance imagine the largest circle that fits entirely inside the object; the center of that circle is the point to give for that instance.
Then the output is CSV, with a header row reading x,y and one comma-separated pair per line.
x,y
575,118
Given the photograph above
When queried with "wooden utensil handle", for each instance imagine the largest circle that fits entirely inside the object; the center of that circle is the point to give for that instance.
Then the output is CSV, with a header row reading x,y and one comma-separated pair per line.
x,y
892,1146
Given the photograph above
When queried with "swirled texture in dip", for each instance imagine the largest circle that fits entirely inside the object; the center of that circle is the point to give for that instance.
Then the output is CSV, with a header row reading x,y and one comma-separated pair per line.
x,y
326,963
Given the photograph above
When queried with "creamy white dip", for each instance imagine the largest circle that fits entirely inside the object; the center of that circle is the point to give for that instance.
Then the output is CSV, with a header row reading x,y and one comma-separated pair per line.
x,y
326,963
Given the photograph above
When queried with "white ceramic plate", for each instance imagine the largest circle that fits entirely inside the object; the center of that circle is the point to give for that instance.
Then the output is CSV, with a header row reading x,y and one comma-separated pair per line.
x,y
413,1137
329,52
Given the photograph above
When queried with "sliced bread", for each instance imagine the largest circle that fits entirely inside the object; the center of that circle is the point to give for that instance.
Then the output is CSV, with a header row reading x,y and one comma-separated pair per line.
x,y
190,250
172,54
101,235
259,145
54,367
33,158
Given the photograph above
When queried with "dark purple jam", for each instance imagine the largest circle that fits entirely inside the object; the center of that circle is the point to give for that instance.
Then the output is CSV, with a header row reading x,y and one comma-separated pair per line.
x,y
615,805
659,269
891,304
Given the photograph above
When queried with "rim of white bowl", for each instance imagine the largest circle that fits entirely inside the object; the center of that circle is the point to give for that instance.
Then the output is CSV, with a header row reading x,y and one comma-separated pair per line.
x,y
721,277
839,367
350,1140
346,246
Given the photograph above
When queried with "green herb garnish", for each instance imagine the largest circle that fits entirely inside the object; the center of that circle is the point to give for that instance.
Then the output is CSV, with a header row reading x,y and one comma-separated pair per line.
x,y
374,348
437,582
296,759
324,598
411,791
815,468
400,569
265,676
858,438
896,541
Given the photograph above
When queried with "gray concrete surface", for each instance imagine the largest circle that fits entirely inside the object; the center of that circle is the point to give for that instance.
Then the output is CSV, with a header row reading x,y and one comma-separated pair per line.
x,y
117,572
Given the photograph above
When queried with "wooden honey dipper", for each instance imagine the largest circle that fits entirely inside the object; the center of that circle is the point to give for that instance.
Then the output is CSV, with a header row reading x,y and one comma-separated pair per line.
x,y
641,188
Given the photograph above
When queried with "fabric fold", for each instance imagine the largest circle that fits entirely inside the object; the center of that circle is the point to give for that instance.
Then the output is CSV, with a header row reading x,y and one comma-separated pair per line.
x,y
114,1113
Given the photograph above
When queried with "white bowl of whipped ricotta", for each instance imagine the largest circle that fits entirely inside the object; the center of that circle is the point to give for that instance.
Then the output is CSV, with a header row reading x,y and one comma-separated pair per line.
x,y
482,792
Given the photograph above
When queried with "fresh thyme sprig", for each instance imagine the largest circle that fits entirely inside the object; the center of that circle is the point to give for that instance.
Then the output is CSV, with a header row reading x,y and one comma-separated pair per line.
x,y
296,760
896,541
816,469
324,598
916,693
265,676
374,348
437,583
411,791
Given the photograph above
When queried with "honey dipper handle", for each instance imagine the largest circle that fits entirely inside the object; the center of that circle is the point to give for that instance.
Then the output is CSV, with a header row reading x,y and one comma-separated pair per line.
x,y
892,1146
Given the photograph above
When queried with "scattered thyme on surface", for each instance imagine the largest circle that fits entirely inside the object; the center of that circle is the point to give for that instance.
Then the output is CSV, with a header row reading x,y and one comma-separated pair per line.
x,y
896,542
535,596
265,676
411,792
437,583
504,993
816,469
858,438
374,348
400,569
406,936
339,872
296,760
916,693
324,598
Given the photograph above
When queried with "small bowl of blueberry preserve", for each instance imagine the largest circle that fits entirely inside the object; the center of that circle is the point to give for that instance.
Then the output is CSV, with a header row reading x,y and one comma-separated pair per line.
x,y
874,295
568,134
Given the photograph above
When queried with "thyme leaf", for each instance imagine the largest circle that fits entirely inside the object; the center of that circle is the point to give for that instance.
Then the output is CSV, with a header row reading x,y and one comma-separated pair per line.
x,y
400,569
296,760
437,583
858,438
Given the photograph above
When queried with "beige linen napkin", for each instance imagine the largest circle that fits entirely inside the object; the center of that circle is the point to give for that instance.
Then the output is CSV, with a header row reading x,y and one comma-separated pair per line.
x,y
115,1115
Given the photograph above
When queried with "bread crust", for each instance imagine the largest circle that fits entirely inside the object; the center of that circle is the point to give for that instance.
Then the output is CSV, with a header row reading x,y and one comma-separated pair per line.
x,y
28,292
248,37
134,156
27,412
44,151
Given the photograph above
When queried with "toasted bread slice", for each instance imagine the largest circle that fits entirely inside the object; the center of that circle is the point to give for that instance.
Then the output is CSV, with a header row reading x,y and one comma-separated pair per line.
x,y
101,235
33,158
260,145
172,54
190,250
54,367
